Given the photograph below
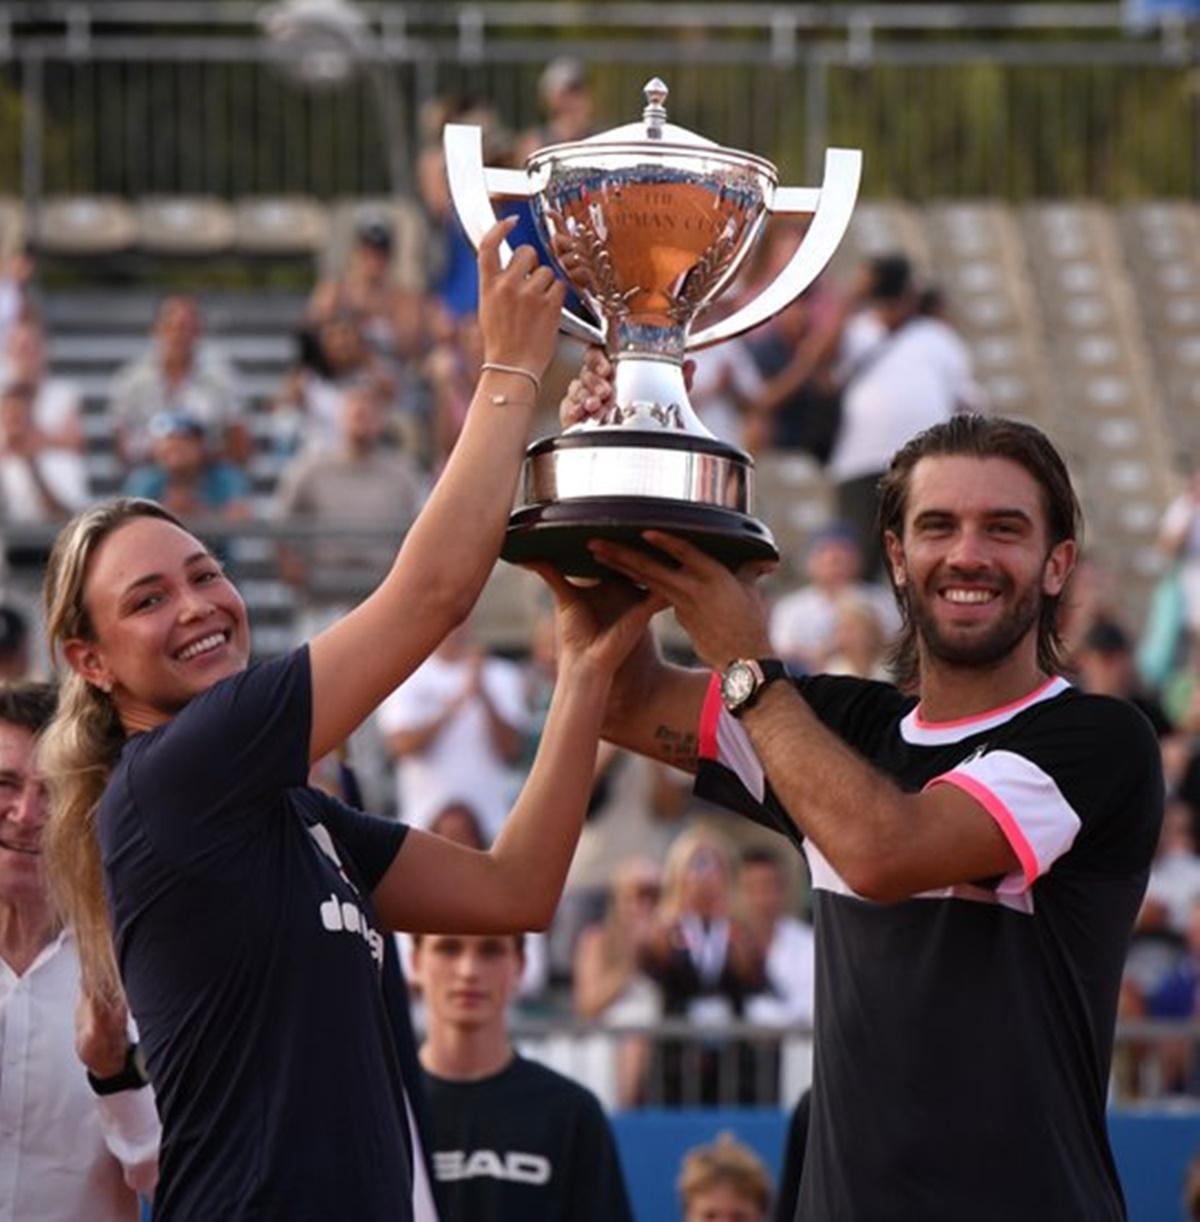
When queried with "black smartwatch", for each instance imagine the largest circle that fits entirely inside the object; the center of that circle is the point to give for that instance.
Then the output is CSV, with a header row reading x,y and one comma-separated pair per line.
x,y
132,1076
743,681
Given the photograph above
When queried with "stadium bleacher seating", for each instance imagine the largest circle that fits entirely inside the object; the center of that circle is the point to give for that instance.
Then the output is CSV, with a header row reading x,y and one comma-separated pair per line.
x,y
1082,318
1104,385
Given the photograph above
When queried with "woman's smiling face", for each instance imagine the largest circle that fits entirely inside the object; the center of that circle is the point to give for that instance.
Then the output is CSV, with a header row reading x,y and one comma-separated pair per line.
x,y
167,623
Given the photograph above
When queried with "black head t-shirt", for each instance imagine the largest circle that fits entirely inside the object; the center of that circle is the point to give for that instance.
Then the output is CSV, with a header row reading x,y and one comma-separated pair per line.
x,y
251,959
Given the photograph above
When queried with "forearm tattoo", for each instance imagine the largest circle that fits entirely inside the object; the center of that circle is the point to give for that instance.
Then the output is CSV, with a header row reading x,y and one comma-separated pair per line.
x,y
676,747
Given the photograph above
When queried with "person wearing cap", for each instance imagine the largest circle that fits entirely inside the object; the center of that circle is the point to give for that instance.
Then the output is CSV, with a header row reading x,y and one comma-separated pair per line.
x,y
369,290
185,477
1106,667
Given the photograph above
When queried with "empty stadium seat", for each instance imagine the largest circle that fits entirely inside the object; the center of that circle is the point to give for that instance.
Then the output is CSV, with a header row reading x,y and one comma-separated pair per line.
x,y
1160,244
85,225
184,225
281,225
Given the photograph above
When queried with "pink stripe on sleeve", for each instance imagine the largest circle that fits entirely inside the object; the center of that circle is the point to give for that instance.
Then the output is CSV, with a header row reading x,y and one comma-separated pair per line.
x,y
1003,816
710,714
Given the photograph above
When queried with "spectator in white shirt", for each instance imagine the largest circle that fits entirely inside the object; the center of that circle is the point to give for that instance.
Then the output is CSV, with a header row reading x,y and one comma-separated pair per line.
x,y
80,1140
787,941
804,622
725,379
178,373
38,482
901,372
454,728
56,404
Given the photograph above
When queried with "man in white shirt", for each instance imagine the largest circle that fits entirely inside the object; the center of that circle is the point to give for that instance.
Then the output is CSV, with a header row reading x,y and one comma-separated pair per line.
x,y
178,373
455,728
902,372
78,1142
804,622
790,961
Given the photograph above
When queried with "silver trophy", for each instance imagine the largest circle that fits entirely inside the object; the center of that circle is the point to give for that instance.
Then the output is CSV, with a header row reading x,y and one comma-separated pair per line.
x,y
649,223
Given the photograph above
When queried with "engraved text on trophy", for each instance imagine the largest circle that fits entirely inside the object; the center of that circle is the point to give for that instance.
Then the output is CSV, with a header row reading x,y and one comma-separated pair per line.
x,y
648,254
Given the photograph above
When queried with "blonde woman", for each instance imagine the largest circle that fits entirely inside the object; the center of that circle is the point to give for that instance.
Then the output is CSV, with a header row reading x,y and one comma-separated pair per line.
x,y
705,960
246,911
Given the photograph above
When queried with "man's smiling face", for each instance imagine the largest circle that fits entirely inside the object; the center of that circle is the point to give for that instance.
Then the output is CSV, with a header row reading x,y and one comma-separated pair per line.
x,y
975,565
23,811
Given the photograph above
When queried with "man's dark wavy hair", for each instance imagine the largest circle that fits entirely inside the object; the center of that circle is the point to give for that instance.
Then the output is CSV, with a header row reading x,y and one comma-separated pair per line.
x,y
976,436
27,704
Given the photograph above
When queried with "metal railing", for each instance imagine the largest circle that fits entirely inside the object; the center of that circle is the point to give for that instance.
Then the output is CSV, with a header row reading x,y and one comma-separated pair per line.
x,y
734,1065
960,99
742,1064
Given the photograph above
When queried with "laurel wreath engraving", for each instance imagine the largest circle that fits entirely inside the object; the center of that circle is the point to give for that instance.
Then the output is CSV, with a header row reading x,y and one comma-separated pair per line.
x,y
708,270
604,287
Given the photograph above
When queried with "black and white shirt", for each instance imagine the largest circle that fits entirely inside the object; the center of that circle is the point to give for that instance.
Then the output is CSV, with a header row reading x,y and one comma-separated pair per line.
x,y
964,1036
523,1144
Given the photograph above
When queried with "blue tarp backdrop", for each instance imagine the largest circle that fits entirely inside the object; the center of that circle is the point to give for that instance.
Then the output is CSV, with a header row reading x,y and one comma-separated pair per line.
x,y
1152,1149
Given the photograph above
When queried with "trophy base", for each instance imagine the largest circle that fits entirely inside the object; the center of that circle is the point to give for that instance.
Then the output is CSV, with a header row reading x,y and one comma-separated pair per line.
x,y
558,532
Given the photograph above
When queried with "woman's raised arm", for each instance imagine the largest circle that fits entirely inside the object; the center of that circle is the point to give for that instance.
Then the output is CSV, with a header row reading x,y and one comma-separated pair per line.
x,y
437,886
454,543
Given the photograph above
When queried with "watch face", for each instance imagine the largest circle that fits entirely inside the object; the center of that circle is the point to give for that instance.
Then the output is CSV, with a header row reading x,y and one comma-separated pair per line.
x,y
737,684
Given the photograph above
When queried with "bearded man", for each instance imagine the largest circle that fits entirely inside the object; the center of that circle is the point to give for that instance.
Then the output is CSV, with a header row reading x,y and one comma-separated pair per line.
x,y
979,835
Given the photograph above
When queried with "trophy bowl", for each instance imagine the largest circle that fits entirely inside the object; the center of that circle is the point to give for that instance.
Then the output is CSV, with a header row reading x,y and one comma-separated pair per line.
x,y
648,223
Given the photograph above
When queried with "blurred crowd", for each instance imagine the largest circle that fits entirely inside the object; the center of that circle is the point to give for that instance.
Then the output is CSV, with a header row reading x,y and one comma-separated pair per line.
x,y
672,910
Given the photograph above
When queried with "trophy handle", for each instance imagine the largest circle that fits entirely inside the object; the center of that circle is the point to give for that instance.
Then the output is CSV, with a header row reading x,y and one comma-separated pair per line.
x,y
831,207
471,187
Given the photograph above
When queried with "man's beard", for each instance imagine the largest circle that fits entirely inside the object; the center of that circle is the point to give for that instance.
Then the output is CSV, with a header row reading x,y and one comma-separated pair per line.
x,y
981,650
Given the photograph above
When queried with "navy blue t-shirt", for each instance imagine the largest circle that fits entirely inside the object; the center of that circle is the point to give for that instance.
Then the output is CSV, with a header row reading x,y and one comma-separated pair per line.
x,y
524,1145
251,960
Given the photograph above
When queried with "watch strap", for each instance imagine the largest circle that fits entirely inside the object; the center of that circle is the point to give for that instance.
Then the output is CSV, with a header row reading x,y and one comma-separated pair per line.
x,y
770,669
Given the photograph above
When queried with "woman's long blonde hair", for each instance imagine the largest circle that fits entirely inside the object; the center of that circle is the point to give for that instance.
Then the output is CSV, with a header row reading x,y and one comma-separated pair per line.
x,y
81,745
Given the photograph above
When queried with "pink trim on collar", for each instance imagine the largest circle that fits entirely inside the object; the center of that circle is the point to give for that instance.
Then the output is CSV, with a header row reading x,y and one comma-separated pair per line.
x,y
1011,707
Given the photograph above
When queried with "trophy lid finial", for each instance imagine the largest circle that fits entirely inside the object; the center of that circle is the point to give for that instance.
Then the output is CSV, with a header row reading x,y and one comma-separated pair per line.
x,y
655,115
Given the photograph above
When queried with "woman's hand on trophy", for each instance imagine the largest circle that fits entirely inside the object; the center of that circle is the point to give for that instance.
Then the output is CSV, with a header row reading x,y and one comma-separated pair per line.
x,y
590,394
519,305
597,624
